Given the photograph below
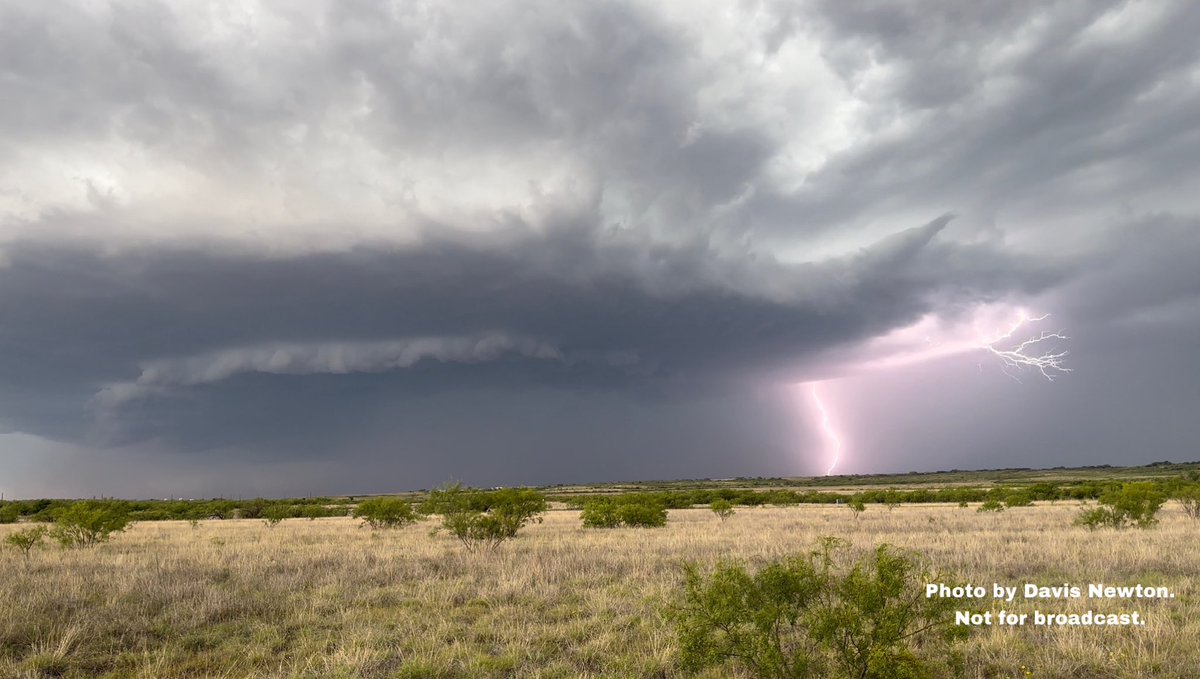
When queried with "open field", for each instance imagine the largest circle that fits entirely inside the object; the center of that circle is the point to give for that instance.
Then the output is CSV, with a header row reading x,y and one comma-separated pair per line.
x,y
982,478
325,598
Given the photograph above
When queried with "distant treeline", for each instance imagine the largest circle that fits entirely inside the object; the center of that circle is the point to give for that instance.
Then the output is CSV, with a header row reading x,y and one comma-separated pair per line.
x,y
1081,490
312,508
188,510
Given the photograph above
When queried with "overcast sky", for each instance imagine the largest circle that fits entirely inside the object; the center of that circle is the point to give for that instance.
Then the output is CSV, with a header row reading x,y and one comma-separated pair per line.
x,y
357,246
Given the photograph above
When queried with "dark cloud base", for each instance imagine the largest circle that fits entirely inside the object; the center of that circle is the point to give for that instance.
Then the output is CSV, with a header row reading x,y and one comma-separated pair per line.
x,y
546,242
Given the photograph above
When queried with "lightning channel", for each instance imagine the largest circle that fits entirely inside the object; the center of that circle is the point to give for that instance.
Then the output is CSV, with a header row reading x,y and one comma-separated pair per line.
x,y
1034,352
826,427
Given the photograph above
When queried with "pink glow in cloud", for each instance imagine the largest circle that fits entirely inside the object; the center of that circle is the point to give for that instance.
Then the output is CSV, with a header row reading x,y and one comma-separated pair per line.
x,y
1007,332
1004,330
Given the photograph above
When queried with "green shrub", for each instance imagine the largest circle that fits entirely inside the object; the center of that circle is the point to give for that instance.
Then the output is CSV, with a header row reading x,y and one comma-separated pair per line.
x,y
252,509
9,513
1044,491
484,518
857,506
1018,500
644,514
600,514
722,508
1132,503
817,616
385,512
991,505
632,511
86,523
25,540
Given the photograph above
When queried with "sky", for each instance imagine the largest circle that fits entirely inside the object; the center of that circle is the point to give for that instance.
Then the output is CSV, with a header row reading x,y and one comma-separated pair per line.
x,y
351,246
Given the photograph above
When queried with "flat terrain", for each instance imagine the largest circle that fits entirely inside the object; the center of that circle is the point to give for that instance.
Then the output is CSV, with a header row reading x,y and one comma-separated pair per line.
x,y
326,598
983,478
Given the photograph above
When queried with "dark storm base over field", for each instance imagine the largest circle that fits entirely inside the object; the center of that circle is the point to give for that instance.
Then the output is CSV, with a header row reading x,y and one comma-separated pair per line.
x,y
538,241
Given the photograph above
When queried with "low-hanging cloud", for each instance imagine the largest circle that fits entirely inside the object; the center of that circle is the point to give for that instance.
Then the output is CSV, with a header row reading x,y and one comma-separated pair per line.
x,y
336,358
604,310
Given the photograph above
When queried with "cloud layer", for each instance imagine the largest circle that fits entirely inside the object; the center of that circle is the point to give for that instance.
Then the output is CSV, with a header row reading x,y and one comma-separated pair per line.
x,y
245,231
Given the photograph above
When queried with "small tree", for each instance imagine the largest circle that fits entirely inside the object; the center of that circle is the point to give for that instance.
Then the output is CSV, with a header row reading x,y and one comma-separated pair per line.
x,y
1189,498
514,508
991,505
89,522
25,540
484,518
722,508
857,506
1133,503
385,512
891,499
274,515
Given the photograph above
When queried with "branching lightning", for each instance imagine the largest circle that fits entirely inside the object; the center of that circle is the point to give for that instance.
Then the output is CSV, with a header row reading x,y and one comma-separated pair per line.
x,y
1018,345
827,427
1029,353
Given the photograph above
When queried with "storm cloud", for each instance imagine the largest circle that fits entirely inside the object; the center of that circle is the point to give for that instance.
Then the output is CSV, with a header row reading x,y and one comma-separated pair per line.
x,y
255,249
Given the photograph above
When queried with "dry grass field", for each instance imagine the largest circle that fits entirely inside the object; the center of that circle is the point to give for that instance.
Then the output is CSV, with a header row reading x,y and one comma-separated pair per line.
x,y
326,598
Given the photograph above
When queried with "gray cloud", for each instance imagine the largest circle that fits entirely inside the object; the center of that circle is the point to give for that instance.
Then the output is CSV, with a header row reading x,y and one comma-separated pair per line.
x,y
401,232
337,358
605,312
1018,110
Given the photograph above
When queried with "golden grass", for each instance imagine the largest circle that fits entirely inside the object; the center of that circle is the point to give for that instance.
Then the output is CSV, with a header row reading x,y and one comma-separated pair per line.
x,y
325,598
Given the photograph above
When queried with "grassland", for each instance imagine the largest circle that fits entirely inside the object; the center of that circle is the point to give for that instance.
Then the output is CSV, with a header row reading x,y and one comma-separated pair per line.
x,y
983,478
325,598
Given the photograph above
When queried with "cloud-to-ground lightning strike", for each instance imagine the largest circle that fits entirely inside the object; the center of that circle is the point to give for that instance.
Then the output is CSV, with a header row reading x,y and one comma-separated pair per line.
x,y
1016,345
1028,353
827,427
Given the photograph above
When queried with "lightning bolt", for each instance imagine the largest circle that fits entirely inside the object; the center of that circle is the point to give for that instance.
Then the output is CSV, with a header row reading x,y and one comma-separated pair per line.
x,y
827,427
1017,345
1029,353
